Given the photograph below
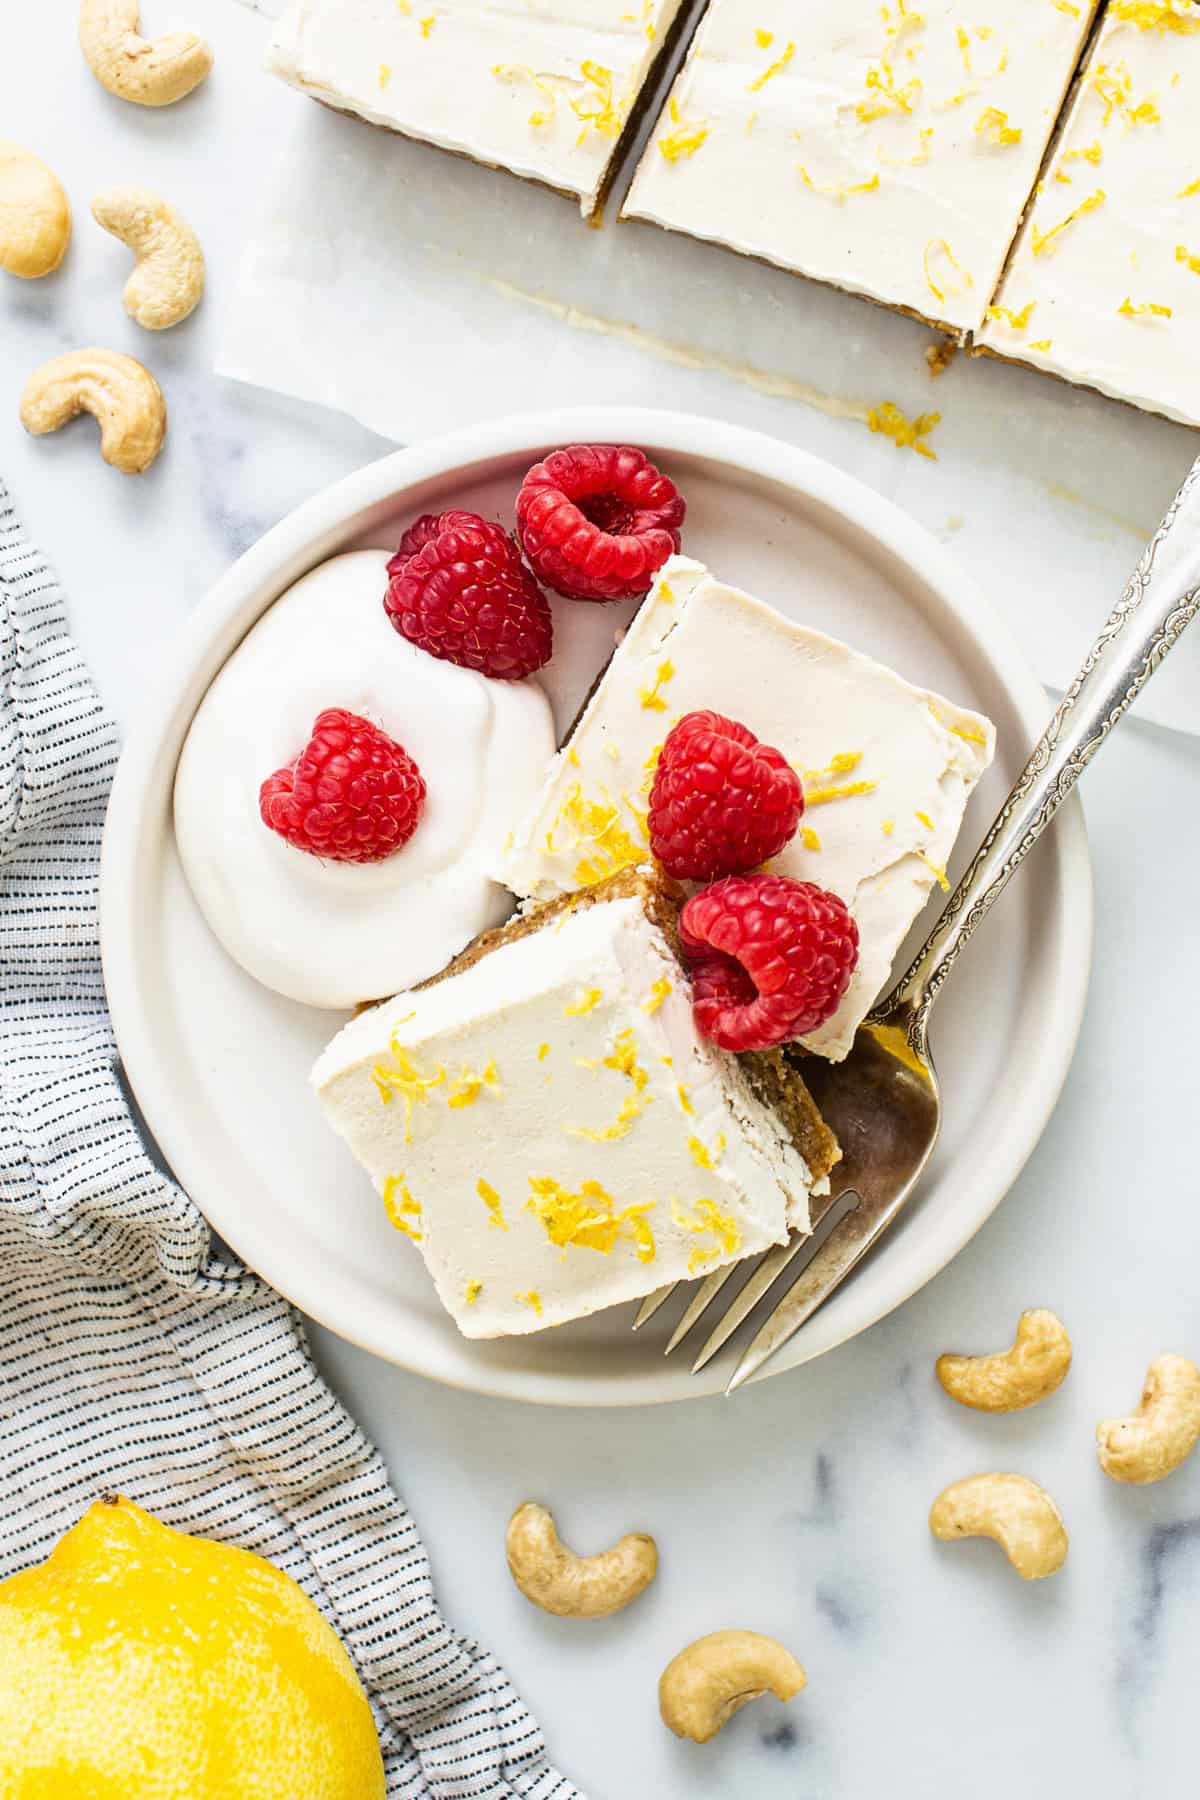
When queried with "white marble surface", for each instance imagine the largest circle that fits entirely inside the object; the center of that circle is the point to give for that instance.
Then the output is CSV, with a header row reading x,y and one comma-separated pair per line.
x,y
800,1507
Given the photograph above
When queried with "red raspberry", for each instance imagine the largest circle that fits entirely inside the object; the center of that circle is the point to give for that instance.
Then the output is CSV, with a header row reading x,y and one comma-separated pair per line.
x,y
770,958
459,589
721,802
597,520
353,794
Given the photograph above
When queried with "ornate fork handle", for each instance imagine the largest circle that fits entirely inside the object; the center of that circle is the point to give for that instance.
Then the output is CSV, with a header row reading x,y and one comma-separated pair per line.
x,y
1162,598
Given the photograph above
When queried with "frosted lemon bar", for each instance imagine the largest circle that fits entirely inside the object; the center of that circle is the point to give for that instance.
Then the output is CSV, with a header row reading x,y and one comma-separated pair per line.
x,y
886,767
1104,287
888,149
545,91
545,1124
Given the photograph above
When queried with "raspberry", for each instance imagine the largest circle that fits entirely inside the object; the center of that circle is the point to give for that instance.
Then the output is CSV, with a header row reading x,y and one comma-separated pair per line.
x,y
597,520
721,802
459,589
353,794
770,958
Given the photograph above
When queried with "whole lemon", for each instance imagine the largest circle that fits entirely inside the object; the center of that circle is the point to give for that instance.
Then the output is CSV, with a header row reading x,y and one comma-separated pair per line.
x,y
139,1663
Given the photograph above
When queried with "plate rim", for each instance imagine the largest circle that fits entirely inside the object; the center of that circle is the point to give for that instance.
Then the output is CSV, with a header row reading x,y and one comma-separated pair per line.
x,y
186,675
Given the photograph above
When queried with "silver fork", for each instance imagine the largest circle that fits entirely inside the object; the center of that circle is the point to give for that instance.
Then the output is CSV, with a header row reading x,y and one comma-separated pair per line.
x,y
883,1101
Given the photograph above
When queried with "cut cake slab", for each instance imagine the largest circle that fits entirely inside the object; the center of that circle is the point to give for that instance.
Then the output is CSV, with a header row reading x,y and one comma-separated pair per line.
x,y
889,150
887,767
1104,286
545,1124
549,95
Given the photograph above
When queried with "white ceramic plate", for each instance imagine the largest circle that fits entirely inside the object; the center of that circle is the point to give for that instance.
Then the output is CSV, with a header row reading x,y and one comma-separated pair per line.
x,y
219,1064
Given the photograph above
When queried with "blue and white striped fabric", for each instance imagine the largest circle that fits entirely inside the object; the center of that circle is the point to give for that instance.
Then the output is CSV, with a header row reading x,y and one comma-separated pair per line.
x,y
132,1355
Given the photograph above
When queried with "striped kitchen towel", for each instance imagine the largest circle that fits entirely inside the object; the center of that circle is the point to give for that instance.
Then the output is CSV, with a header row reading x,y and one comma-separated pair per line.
x,y
133,1355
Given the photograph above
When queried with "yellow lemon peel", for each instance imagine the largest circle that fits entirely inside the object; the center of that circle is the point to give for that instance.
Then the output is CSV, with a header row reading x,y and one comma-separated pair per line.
x,y
587,1002
406,1079
769,73
656,996
939,246
469,1085
1047,240
588,1219
400,1206
491,1200
472,1292
1142,309
707,1219
993,125
1016,321
684,139
906,434
651,697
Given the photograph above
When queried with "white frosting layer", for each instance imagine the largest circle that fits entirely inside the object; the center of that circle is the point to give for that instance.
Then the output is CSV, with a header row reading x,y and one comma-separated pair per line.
x,y
1092,283
902,106
334,934
543,90
825,706
543,1012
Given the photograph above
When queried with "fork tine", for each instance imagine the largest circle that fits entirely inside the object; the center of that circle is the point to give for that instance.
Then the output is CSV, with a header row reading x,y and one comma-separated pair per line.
x,y
707,1291
768,1270
845,1246
652,1302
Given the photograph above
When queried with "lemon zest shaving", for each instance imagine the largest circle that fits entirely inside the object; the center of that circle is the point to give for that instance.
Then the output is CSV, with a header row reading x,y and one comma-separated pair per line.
x,y
809,838
1045,240
588,1219
881,82
427,24
702,1156
472,1292
685,139
587,1002
935,869
596,823
1185,256
685,1099
651,698
1093,153
400,1206
905,162
385,74
543,1052
491,1200
1065,6
1193,187
467,1089
768,74
906,434
1156,15
993,125
887,826
707,1218
656,996
931,248
1016,321
406,1079
532,1298
1143,309
1039,344
1114,84
838,190
764,39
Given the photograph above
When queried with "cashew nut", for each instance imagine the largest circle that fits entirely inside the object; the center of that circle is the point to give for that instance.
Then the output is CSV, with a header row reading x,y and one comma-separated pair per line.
x,y
35,218
169,278
1013,1511
1163,1431
575,1587
120,394
700,1689
148,71
1011,1379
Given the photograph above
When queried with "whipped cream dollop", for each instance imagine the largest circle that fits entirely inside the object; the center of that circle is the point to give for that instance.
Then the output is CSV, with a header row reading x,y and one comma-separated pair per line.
x,y
333,934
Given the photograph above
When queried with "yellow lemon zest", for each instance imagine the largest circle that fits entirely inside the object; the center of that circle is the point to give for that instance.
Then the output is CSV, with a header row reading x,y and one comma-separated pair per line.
x,y
925,136
596,823
622,1059
1016,321
887,826
1156,15
707,1219
1046,240
964,47
888,98
532,1298
1143,309
993,125
906,434
543,83
685,139
1114,84
932,248
685,1099
768,74
472,1292
597,107
935,869
1193,187
588,1219
543,1052
427,24
838,190
845,790
809,838
764,39
702,1156
385,74
491,1200
400,1206
651,698
656,996
1065,6
953,100
1093,153
587,1002
1039,344
923,818
466,1090
1185,256
406,1079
